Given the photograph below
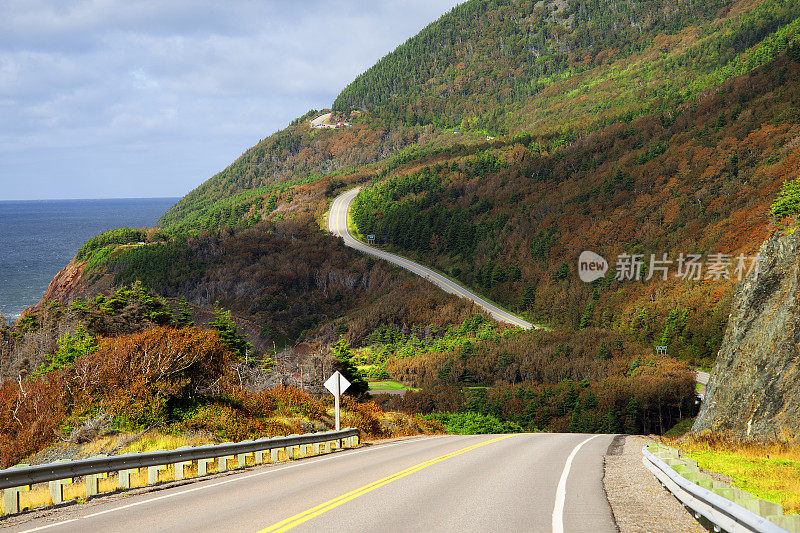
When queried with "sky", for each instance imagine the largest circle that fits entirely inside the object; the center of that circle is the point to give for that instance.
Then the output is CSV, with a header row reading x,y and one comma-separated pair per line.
x,y
122,99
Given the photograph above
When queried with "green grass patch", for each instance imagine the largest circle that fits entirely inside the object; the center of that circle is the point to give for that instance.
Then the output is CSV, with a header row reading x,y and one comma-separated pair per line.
x,y
388,385
771,472
470,423
680,429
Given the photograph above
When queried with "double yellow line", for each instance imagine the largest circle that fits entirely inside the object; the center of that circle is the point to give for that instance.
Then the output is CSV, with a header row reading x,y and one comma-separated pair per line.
x,y
296,520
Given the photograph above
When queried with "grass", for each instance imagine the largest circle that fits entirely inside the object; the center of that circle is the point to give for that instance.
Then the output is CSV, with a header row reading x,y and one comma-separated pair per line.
x,y
388,385
157,441
768,471
680,429
353,229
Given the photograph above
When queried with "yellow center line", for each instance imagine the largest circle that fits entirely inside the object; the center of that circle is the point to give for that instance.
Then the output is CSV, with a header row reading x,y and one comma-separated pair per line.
x,y
296,520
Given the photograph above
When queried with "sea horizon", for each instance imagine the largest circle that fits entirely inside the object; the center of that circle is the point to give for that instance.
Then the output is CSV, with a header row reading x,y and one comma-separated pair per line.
x,y
22,200
41,236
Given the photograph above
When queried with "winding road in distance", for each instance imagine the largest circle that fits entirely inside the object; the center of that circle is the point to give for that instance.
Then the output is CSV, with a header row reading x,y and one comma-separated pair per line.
x,y
337,224
535,482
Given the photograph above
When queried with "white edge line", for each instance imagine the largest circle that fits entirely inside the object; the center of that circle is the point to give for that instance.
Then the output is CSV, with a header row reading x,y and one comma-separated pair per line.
x,y
561,491
225,482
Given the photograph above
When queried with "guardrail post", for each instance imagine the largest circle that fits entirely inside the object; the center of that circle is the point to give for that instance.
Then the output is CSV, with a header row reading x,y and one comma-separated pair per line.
x,y
124,479
56,488
732,493
222,463
273,453
258,457
202,466
179,469
11,498
152,473
93,483
761,507
241,460
787,522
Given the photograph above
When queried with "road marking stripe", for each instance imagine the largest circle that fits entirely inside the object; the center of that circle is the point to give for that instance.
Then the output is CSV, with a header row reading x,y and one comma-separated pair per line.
x,y
233,479
561,491
296,520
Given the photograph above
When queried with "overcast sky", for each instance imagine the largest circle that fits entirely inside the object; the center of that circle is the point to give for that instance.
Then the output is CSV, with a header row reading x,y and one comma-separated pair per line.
x,y
121,98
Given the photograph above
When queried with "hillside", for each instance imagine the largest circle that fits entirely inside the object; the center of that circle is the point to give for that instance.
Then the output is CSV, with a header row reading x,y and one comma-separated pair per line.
x,y
475,64
552,69
513,219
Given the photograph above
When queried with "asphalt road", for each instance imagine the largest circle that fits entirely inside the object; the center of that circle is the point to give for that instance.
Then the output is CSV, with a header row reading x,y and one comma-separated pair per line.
x,y
337,224
443,483
702,378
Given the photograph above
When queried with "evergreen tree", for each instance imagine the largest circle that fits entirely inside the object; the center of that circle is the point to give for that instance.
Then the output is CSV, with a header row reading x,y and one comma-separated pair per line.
x,y
345,365
229,334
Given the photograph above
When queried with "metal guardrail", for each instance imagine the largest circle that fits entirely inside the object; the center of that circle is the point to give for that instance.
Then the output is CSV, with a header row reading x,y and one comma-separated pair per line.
x,y
723,513
12,479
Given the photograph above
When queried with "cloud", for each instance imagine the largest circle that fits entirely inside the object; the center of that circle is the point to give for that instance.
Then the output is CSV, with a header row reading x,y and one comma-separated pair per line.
x,y
84,81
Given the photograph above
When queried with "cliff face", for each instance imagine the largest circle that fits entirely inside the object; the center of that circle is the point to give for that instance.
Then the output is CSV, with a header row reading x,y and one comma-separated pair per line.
x,y
754,390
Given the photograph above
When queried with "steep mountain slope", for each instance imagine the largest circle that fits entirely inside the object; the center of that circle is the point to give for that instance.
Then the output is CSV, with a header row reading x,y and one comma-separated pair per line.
x,y
478,61
753,390
556,66
513,219
553,69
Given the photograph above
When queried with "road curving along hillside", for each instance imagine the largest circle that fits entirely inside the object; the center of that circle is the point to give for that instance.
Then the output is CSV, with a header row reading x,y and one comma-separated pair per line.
x,y
337,224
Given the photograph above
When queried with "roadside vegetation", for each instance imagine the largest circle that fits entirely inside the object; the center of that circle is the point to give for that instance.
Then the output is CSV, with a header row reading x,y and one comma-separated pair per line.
x,y
133,363
768,471
471,423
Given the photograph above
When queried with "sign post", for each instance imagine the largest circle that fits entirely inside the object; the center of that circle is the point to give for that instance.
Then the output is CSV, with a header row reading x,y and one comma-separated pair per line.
x,y
337,384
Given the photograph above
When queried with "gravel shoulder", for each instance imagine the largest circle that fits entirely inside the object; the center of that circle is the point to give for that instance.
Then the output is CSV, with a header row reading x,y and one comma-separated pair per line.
x,y
637,499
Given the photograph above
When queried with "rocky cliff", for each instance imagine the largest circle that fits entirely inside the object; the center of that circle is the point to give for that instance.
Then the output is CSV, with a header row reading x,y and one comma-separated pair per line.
x,y
754,390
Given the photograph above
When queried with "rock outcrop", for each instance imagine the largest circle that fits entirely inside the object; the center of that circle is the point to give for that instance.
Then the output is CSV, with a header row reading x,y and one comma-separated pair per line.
x,y
754,390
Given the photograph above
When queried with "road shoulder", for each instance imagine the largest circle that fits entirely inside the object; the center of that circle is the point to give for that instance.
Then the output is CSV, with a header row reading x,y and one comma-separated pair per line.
x,y
638,501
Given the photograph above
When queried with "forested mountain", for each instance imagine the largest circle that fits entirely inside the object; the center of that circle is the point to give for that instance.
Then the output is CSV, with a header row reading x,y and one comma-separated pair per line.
x,y
556,69
486,59
512,220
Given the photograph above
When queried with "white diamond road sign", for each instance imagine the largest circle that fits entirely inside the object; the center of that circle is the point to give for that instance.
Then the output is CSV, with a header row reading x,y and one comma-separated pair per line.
x,y
332,382
337,384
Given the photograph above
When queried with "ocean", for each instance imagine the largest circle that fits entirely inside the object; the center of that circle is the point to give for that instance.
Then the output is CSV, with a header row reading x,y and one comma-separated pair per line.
x,y
39,237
